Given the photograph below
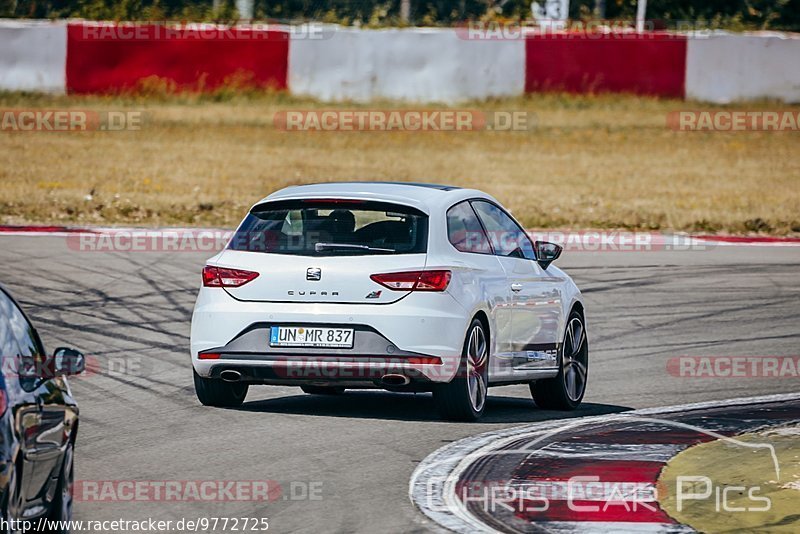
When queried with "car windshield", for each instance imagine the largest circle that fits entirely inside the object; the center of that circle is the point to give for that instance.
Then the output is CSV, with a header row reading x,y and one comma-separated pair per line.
x,y
332,228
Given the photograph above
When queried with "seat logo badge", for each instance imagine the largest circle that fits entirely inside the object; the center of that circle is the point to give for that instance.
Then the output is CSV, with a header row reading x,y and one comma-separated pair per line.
x,y
313,273
374,295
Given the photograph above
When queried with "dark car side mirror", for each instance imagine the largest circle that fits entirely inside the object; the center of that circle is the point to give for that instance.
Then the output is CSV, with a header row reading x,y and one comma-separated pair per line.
x,y
546,253
67,361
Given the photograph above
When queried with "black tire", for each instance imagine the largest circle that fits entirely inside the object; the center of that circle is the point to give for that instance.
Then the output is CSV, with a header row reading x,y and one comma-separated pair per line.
x,y
61,507
322,390
464,397
565,390
217,392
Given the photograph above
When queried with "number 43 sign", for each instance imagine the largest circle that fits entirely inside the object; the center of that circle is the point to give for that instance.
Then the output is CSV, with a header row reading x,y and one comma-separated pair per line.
x,y
550,12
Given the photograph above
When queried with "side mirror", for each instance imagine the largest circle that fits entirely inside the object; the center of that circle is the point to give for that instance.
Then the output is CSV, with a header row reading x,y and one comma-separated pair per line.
x,y
546,253
67,361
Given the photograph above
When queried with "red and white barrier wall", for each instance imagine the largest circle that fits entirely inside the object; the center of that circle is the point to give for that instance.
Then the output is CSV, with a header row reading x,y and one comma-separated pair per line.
x,y
33,56
102,58
582,63
419,64
724,68
422,65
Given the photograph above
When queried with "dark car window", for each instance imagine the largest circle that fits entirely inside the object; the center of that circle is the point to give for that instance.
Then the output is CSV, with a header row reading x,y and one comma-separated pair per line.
x,y
28,357
506,236
332,228
8,341
465,231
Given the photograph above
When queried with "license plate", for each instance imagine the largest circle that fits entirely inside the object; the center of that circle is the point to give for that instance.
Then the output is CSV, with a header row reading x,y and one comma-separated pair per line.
x,y
304,336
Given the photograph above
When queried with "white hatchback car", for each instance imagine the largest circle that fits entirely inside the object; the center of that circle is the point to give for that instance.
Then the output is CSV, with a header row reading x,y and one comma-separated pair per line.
x,y
400,286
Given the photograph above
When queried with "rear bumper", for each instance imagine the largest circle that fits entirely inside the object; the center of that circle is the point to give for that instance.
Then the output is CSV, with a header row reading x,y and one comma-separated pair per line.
x,y
420,336
355,374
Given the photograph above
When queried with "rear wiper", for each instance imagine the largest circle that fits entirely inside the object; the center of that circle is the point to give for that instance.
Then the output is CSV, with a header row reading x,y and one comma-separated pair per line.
x,y
319,247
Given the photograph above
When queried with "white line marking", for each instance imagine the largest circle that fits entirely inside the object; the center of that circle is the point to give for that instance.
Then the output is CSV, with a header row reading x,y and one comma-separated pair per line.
x,y
649,452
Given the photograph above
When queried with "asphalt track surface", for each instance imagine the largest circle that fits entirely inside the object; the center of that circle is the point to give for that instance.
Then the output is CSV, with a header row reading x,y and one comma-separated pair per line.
x,y
144,423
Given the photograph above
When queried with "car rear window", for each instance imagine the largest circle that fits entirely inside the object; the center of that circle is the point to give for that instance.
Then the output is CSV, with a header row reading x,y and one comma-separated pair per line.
x,y
332,228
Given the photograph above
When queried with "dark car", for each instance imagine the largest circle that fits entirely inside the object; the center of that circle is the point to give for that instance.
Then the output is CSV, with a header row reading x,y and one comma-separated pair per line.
x,y
38,421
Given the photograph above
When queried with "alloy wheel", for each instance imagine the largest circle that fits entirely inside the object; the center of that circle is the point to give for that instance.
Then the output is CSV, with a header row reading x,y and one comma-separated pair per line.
x,y
477,357
574,359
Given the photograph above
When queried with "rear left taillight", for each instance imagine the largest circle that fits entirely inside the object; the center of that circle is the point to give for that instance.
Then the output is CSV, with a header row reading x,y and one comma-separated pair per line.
x,y
225,277
414,280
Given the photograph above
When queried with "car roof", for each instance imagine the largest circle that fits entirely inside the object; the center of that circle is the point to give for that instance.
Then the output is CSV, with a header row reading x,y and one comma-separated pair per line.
x,y
427,197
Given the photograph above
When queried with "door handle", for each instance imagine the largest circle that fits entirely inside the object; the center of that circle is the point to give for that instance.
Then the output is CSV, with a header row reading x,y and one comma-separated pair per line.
x,y
516,287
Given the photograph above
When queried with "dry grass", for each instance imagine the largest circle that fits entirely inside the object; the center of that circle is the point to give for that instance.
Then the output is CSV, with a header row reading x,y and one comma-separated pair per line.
x,y
592,162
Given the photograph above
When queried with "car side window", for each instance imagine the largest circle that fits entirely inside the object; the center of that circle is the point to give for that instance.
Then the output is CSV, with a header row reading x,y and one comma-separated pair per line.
x,y
27,358
8,342
506,236
465,231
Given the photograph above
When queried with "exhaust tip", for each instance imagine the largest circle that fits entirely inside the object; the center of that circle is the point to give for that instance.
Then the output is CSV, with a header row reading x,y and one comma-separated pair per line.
x,y
395,380
229,375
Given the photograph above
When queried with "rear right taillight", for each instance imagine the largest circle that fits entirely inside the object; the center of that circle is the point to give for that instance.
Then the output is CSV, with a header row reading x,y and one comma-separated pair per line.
x,y
225,277
414,280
